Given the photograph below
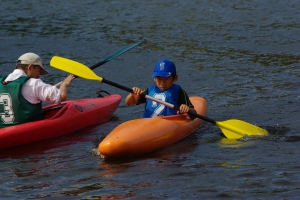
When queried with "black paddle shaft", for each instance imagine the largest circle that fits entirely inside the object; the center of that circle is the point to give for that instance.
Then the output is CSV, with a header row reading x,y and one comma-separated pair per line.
x,y
98,64
202,117
198,116
117,85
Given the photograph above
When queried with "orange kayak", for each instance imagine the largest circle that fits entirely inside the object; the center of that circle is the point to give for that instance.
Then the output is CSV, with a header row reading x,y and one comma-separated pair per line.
x,y
143,135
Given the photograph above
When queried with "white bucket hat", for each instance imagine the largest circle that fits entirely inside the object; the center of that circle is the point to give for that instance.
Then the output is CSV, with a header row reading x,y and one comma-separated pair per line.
x,y
33,59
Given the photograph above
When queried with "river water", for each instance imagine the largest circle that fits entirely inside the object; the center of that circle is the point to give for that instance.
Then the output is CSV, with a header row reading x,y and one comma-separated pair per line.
x,y
241,56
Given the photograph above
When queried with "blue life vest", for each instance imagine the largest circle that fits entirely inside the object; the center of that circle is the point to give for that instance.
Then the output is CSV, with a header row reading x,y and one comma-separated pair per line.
x,y
153,109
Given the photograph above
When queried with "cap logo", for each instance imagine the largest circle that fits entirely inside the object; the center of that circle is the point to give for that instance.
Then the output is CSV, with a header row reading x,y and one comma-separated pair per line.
x,y
162,66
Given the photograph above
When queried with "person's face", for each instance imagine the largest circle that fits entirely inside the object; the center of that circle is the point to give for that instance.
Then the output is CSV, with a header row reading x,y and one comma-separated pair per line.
x,y
34,71
164,83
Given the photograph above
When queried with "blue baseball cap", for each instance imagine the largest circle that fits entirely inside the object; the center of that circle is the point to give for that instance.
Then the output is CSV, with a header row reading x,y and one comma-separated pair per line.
x,y
164,68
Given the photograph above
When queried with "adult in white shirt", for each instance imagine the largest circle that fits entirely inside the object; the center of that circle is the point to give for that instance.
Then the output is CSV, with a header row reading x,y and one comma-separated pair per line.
x,y
22,92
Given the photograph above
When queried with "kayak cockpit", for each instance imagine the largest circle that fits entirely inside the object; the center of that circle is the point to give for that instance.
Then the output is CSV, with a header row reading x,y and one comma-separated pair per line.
x,y
55,111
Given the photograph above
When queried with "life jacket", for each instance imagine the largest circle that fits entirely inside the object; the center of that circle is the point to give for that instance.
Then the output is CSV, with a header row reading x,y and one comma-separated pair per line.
x,y
14,108
153,109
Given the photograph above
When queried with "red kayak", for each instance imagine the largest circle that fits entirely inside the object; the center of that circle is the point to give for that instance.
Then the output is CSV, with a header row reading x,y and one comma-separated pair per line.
x,y
61,119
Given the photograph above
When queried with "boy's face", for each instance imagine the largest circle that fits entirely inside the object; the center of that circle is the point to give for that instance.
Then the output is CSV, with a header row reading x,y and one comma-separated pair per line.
x,y
165,83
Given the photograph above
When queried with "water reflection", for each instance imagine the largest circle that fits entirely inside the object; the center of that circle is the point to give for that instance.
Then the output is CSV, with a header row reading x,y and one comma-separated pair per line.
x,y
41,147
231,143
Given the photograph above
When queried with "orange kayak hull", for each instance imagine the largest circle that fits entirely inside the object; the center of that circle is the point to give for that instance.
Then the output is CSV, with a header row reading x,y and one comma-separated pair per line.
x,y
143,135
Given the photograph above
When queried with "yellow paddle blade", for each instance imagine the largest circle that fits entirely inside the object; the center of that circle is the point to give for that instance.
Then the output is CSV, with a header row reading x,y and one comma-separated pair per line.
x,y
74,68
235,129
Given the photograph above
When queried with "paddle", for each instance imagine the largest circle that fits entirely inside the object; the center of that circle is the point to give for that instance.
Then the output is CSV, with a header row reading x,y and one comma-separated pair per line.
x,y
232,129
118,53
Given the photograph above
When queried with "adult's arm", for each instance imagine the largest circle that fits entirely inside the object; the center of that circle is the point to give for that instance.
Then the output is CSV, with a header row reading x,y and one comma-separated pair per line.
x,y
64,87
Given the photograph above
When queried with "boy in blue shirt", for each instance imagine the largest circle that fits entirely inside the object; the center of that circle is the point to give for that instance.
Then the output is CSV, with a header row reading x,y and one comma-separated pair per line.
x,y
164,76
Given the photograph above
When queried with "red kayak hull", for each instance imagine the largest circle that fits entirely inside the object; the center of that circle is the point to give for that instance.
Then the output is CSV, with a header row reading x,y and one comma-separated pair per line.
x,y
74,115
143,135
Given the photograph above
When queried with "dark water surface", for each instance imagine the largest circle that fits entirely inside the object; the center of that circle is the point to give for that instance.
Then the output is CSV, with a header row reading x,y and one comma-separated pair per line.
x,y
242,56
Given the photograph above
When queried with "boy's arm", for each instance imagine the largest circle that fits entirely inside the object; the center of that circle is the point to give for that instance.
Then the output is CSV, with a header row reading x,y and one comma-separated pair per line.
x,y
134,98
185,103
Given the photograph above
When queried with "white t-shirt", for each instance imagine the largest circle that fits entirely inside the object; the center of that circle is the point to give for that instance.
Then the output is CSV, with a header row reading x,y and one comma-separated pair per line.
x,y
35,90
